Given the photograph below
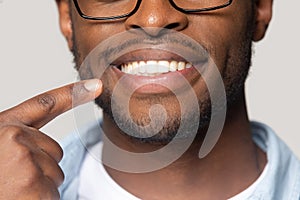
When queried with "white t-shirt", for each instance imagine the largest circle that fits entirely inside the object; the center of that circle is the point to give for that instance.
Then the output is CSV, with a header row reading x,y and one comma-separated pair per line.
x,y
102,186
95,183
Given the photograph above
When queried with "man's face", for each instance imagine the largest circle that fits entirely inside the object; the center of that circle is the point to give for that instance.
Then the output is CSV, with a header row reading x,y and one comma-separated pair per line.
x,y
226,34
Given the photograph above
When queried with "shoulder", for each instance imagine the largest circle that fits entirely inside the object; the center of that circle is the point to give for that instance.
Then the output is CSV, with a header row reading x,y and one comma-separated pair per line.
x,y
75,147
283,177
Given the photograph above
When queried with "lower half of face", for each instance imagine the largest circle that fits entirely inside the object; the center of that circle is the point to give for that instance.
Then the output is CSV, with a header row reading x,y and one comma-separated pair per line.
x,y
140,106
133,103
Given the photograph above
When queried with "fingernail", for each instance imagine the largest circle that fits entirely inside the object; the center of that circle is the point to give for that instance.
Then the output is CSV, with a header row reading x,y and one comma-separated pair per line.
x,y
92,85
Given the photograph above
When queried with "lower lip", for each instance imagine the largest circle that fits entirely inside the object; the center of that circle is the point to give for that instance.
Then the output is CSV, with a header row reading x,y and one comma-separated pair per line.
x,y
159,84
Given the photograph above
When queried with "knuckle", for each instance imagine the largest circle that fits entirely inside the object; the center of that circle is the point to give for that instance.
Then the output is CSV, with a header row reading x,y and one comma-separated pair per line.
x,y
12,132
47,102
22,152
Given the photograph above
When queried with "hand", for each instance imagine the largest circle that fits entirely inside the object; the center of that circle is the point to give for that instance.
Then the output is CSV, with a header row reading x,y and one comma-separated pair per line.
x,y
29,159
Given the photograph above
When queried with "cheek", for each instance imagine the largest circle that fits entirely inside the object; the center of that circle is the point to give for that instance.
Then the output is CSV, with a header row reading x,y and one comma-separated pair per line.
x,y
212,35
89,34
220,33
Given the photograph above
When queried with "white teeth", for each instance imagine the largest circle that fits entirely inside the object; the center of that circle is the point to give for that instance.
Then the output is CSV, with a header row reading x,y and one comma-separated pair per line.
x,y
163,66
152,67
181,66
135,67
142,67
173,66
188,65
129,68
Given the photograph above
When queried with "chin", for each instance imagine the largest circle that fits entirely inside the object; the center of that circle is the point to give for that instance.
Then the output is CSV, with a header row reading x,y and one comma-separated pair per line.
x,y
133,125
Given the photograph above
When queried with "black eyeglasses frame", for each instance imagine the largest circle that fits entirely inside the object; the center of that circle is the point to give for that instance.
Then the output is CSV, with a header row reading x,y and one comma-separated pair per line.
x,y
138,5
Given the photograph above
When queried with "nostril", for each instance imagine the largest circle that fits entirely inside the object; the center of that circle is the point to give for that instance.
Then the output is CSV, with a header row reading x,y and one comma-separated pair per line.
x,y
135,26
172,26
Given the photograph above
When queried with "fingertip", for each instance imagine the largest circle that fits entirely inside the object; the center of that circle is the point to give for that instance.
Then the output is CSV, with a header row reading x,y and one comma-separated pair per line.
x,y
93,85
86,90
99,88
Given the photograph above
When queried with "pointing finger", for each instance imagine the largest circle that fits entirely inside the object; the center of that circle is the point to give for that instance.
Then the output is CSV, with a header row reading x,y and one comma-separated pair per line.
x,y
39,110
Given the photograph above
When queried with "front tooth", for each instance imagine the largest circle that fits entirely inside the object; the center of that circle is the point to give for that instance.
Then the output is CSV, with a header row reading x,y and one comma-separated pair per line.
x,y
135,67
163,66
181,66
142,67
173,66
151,67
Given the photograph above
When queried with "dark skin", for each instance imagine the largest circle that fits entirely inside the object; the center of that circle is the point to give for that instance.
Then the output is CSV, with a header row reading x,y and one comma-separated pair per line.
x,y
193,178
29,158
235,159
235,153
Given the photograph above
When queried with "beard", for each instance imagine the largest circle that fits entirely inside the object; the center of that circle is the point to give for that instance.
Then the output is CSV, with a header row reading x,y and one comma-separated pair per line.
x,y
234,74
140,117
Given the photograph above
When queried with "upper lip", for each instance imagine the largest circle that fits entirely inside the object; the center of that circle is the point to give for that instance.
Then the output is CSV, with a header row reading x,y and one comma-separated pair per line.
x,y
147,55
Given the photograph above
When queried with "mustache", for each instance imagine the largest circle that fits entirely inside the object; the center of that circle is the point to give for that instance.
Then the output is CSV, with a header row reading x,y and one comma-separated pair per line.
x,y
149,41
107,51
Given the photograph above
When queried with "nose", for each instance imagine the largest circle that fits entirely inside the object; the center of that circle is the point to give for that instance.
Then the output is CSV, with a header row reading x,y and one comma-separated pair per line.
x,y
153,16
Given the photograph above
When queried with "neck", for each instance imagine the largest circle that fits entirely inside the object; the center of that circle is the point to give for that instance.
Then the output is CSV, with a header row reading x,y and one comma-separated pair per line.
x,y
235,159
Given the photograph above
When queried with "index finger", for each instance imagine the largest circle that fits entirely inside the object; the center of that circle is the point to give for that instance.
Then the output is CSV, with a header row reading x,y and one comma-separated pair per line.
x,y
41,109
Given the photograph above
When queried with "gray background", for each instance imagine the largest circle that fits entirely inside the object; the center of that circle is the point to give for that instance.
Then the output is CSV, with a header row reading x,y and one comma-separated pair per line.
x,y
34,58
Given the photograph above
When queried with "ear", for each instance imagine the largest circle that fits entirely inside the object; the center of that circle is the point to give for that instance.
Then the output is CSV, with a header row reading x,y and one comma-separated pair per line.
x,y
263,9
65,20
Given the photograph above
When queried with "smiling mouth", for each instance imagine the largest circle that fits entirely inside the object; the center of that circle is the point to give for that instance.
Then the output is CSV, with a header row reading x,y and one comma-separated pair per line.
x,y
156,71
153,67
